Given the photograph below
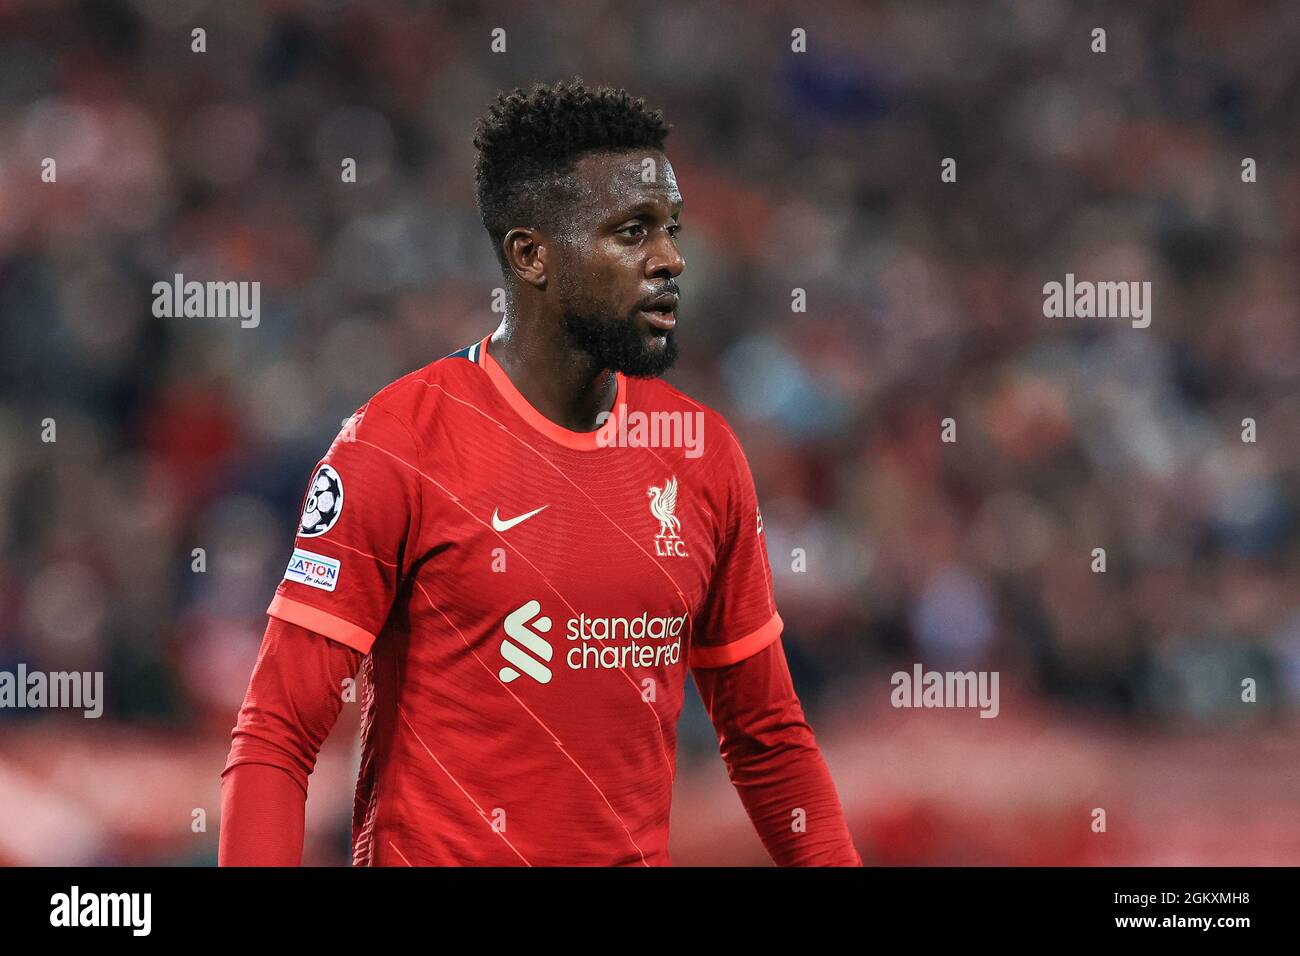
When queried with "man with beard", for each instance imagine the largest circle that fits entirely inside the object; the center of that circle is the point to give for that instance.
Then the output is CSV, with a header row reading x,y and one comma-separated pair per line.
x,y
522,595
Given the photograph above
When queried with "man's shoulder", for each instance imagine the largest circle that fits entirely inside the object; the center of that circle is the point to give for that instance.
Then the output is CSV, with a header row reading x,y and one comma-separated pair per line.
x,y
424,392
722,453
657,395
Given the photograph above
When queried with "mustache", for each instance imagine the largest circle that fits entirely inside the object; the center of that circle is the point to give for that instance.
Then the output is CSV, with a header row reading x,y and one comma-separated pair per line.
x,y
668,288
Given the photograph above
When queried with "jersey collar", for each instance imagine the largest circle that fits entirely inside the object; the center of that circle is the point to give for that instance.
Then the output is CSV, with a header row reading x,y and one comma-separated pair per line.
x,y
602,437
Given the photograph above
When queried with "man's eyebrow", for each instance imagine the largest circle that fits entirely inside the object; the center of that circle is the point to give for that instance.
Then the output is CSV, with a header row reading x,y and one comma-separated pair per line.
x,y
650,206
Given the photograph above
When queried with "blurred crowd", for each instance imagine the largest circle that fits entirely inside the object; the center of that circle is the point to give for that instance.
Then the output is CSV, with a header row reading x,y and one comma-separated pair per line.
x,y
817,171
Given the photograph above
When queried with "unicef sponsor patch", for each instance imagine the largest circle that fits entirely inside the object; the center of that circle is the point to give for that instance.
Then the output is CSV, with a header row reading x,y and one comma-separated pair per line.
x,y
313,570
324,503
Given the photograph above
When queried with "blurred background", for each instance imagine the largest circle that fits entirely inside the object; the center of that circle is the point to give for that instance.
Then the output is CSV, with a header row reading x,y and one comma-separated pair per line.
x,y
816,170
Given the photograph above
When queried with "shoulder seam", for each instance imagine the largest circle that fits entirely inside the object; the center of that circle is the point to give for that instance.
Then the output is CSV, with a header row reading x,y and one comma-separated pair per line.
x,y
686,398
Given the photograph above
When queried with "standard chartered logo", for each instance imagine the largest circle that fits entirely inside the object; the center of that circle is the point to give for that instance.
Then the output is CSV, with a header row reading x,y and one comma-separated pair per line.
x,y
601,643
518,629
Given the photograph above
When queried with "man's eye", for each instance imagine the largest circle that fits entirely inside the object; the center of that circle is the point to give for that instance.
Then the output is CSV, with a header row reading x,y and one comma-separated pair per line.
x,y
634,226
674,229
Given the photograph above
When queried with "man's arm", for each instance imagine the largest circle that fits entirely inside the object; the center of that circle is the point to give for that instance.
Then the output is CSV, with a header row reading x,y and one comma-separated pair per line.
x,y
774,762
293,701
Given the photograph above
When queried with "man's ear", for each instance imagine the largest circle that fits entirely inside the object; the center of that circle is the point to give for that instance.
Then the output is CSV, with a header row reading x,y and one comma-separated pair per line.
x,y
526,253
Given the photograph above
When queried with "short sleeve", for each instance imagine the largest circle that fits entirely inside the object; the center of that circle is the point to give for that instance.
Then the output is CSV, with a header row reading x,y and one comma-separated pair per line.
x,y
739,617
356,533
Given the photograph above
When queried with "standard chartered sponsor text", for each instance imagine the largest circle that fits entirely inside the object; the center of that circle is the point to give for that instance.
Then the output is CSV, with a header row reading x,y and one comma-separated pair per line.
x,y
615,642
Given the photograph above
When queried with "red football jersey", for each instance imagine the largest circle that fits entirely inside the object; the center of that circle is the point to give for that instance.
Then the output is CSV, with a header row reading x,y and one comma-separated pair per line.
x,y
529,598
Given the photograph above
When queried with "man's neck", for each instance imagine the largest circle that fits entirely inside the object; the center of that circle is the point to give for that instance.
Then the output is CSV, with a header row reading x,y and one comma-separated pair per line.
x,y
563,385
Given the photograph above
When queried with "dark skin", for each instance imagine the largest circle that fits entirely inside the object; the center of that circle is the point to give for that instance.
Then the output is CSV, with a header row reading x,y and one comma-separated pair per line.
x,y
614,251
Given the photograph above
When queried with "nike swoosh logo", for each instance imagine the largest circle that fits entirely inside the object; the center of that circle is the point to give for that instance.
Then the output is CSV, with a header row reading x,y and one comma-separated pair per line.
x,y
507,525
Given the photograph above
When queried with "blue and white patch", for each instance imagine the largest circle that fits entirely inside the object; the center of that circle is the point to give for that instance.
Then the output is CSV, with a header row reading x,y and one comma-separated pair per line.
x,y
324,503
313,570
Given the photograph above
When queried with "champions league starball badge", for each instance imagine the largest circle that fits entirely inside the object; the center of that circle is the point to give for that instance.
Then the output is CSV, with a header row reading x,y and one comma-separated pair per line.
x,y
324,503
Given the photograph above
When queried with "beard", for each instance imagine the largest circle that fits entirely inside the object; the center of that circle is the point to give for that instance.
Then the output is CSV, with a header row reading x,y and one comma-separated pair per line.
x,y
619,344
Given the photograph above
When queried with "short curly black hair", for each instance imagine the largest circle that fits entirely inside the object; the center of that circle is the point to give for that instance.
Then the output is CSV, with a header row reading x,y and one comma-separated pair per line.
x,y
528,144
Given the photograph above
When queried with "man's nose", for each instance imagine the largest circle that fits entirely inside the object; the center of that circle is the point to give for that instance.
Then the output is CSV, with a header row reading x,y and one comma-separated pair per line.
x,y
666,261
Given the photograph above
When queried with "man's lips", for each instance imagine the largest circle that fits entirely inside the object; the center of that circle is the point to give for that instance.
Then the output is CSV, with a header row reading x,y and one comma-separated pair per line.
x,y
661,311
660,320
